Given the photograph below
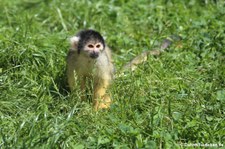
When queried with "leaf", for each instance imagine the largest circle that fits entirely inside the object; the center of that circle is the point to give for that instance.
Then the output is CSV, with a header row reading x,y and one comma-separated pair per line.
x,y
103,140
177,115
79,146
221,95
139,141
151,144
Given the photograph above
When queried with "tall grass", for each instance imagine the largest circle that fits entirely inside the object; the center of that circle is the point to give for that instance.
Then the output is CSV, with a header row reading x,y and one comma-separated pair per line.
x,y
174,100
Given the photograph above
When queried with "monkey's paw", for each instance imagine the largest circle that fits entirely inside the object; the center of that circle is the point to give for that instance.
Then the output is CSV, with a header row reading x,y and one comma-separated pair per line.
x,y
103,104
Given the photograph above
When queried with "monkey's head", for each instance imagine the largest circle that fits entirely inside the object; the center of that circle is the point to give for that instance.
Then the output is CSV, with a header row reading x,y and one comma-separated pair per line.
x,y
89,43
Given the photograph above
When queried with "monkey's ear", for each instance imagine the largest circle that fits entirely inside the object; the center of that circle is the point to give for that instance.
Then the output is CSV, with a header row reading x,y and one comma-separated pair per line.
x,y
74,42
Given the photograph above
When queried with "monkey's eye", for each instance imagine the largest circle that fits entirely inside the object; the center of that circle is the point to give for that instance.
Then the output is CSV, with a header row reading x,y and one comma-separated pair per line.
x,y
90,46
98,46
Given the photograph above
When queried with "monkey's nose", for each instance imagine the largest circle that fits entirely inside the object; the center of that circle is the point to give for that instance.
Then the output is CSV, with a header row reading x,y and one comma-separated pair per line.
x,y
94,54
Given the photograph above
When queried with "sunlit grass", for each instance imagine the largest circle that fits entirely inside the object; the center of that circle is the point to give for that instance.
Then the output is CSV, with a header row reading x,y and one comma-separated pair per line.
x,y
168,101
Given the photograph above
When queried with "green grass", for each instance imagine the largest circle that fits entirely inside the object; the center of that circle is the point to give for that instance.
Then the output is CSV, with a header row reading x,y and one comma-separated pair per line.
x,y
169,101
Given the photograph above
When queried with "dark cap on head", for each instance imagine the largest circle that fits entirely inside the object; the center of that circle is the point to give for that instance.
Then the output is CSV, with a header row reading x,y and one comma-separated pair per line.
x,y
87,35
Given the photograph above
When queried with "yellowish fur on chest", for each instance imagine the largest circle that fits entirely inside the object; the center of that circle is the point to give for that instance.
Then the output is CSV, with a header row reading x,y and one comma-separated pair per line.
x,y
99,67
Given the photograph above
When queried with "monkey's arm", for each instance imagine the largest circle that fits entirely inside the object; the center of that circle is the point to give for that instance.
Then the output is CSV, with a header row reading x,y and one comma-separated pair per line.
x,y
70,69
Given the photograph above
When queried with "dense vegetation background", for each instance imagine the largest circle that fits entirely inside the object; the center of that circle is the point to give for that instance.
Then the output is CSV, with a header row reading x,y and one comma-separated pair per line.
x,y
173,100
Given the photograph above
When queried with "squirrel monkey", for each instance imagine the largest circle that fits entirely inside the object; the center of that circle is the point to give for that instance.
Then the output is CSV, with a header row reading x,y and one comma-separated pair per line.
x,y
90,58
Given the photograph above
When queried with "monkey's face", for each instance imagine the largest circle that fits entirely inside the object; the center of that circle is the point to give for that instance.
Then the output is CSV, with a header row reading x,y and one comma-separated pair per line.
x,y
89,43
93,49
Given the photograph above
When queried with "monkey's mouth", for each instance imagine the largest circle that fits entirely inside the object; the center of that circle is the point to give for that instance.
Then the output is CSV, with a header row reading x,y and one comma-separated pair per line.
x,y
94,55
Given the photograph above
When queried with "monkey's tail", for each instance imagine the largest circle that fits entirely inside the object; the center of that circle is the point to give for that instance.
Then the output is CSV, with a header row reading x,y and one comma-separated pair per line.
x,y
132,65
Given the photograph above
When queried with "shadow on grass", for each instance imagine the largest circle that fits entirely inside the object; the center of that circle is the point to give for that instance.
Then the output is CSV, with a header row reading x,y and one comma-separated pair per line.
x,y
60,87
